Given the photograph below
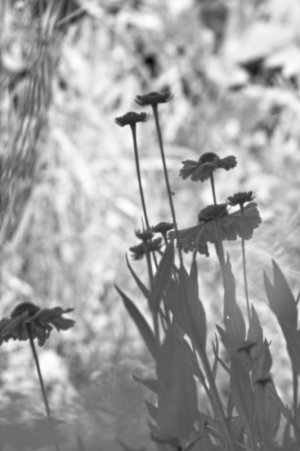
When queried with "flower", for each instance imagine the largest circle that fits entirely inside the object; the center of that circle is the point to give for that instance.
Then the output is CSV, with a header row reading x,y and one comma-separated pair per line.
x,y
230,227
212,212
153,98
141,249
131,118
163,227
27,318
203,168
138,251
240,198
144,235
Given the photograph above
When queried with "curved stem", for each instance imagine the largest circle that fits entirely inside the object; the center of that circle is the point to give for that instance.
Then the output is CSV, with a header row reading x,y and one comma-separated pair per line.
x,y
138,172
44,395
160,141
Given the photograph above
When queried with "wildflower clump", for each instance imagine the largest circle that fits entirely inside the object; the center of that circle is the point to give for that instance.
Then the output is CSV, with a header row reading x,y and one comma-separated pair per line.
x,y
249,414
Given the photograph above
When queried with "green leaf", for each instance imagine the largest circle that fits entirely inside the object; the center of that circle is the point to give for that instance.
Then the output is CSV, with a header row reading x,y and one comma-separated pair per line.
x,y
161,277
242,394
281,299
292,338
177,394
183,301
138,281
269,411
125,447
284,306
151,384
193,313
140,323
152,410
233,318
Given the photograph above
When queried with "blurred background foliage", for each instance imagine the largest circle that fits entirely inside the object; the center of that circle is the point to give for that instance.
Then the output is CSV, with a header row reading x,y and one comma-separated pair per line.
x,y
68,194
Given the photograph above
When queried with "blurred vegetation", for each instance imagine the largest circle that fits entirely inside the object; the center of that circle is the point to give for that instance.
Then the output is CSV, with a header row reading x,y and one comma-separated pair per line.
x,y
69,201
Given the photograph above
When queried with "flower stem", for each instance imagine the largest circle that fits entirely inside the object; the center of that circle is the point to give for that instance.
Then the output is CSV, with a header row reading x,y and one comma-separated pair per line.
x,y
160,141
138,171
44,395
154,313
212,182
245,272
295,400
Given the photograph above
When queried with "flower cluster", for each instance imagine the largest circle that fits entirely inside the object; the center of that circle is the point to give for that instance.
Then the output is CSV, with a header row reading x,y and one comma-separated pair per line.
x,y
230,227
27,319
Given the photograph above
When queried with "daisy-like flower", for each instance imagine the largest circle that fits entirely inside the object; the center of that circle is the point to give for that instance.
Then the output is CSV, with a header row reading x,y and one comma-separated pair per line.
x,y
131,118
144,235
163,227
153,98
212,212
231,226
27,318
240,198
203,168
139,251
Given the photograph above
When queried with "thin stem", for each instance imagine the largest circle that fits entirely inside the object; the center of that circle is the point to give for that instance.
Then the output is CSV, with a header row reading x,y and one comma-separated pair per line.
x,y
245,280
160,141
44,395
295,399
217,404
245,271
154,313
138,172
212,182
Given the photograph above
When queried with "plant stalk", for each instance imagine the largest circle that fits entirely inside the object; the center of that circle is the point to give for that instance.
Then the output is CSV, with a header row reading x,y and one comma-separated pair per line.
x,y
160,141
245,271
213,189
44,395
138,172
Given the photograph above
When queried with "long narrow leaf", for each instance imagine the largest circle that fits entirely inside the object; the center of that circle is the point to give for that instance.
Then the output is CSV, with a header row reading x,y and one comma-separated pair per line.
x,y
192,314
281,299
140,323
138,281
233,317
161,277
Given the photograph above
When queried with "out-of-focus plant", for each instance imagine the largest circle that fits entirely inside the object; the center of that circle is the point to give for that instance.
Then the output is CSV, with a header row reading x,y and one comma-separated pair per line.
x,y
251,416
27,322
